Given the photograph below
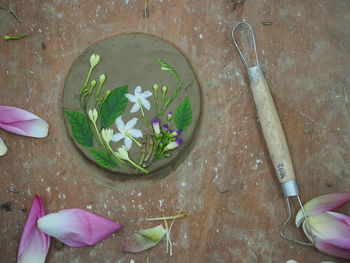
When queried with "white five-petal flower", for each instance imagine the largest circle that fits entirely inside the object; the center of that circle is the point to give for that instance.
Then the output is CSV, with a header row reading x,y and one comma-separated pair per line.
x,y
126,131
138,98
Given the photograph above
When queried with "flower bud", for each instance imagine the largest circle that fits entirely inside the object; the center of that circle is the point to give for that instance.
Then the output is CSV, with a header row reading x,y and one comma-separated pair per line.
x,y
170,116
94,59
164,89
93,115
155,88
102,79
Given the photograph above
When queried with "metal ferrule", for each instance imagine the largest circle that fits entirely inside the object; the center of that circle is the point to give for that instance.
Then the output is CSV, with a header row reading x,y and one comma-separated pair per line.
x,y
290,188
254,74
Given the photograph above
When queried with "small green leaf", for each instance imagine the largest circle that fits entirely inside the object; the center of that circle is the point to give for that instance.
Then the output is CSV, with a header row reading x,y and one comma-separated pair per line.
x,y
80,127
144,239
183,115
103,158
113,106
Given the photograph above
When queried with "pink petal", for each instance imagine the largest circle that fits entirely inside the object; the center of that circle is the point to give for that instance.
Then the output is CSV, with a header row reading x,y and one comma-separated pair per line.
x,y
321,204
76,227
34,244
22,122
328,226
332,250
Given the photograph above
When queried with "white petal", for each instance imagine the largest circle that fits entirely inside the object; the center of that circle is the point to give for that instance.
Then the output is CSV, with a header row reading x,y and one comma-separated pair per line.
x,y
131,98
146,94
127,142
3,147
117,137
136,133
146,104
120,124
130,124
138,89
135,108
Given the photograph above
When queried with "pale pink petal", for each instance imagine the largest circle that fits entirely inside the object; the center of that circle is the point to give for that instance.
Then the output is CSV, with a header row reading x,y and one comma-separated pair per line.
x,y
117,137
131,97
120,124
332,250
135,108
136,133
34,244
22,122
76,227
127,143
144,239
321,204
130,124
3,147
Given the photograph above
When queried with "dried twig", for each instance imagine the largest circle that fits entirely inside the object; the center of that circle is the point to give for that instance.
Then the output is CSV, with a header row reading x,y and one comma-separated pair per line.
x,y
8,10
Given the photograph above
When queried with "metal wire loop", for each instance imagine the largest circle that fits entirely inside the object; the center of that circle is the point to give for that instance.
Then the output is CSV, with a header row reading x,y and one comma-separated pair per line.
x,y
235,27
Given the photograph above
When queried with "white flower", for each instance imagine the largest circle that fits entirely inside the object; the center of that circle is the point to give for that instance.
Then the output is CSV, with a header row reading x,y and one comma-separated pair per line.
x,y
93,115
94,59
107,135
122,153
126,131
139,98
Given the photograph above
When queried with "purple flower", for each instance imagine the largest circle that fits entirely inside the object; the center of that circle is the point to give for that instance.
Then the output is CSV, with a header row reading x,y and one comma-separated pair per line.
x,y
166,127
34,244
77,227
330,231
156,125
173,145
176,133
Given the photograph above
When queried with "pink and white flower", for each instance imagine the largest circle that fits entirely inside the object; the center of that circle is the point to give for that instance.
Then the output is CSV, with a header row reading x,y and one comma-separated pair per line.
x,y
330,231
34,244
77,227
22,122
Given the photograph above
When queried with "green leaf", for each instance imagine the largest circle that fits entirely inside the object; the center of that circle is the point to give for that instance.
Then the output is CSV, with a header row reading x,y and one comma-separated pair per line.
x,y
80,127
113,106
183,115
103,158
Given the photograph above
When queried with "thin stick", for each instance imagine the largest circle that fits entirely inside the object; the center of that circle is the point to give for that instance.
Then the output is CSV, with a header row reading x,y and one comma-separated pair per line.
x,y
8,10
146,15
346,100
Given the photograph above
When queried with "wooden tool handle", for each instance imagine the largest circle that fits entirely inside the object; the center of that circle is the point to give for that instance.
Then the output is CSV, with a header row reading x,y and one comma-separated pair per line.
x,y
271,126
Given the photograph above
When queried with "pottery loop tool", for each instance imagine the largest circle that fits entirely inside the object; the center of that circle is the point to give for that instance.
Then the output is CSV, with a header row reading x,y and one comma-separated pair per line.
x,y
272,130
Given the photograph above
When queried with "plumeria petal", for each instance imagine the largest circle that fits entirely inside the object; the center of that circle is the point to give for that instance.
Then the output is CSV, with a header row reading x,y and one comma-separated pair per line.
x,y
146,104
34,244
146,94
332,250
136,133
120,124
117,137
127,143
137,89
3,147
22,122
131,97
76,227
144,239
135,108
327,226
130,124
323,203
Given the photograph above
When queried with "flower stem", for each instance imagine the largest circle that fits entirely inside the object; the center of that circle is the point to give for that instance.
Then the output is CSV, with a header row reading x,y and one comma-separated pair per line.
x,y
138,167
87,79
132,138
98,133
142,113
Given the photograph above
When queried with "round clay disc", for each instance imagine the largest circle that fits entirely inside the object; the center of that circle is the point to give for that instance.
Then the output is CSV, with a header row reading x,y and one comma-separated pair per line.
x,y
130,60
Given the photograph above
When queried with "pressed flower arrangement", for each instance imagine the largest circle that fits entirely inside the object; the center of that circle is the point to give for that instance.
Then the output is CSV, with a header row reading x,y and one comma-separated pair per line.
x,y
137,127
